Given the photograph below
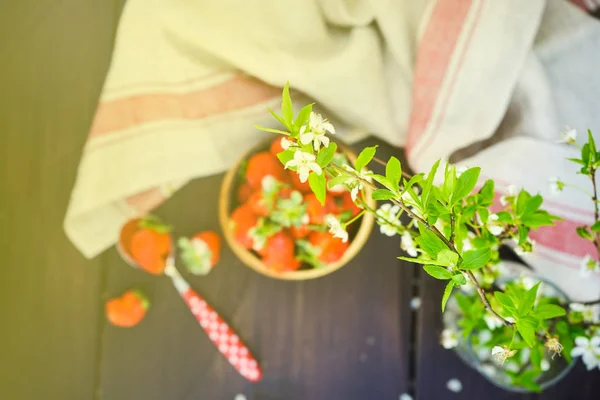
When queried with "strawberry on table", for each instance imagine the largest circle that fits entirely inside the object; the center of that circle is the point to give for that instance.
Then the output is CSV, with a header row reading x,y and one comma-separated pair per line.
x,y
150,245
261,165
201,252
128,310
242,220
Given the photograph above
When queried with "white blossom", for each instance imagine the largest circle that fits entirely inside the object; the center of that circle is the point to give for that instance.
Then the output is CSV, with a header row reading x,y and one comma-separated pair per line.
x,y
304,163
488,369
408,245
240,397
493,226
568,135
336,228
590,313
405,396
354,182
388,219
511,191
588,265
545,365
555,185
269,184
492,322
415,303
460,169
449,338
285,143
316,131
589,350
501,354
553,345
454,385
484,336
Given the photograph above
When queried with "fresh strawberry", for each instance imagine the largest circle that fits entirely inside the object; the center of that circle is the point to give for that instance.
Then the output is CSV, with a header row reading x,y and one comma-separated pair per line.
x,y
303,187
127,310
331,249
150,246
316,211
280,244
281,264
300,232
243,219
244,192
261,165
201,253
260,204
347,204
276,147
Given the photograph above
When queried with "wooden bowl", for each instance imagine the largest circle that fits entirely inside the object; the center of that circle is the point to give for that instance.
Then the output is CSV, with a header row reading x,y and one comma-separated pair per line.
x,y
227,194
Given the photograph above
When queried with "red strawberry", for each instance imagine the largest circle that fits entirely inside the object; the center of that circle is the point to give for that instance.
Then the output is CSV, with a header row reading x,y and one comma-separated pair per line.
x,y
261,165
276,146
331,248
348,205
127,310
243,219
281,264
244,192
303,187
150,249
213,241
259,204
278,253
300,232
316,211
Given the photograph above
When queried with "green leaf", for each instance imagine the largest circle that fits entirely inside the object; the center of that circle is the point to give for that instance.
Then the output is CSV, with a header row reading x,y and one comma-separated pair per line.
x,y
303,116
527,330
528,300
428,184
383,180
447,293
595,227
522,200
419,260
537,219
393,172
262,128
474,259
447,258
592,144
449,182
577,161
430,243
585,154
338,180
382,194
415,179
536,356
278,118
583,232
287,112
365,157
533,204
286,155
523,233
459,279
548,311
438,272
506,302
465,184
326,155
527,380
318,185
487,191
504,216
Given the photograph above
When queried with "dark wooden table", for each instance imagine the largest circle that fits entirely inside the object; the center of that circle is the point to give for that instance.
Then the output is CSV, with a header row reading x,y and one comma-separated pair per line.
x,y
350,335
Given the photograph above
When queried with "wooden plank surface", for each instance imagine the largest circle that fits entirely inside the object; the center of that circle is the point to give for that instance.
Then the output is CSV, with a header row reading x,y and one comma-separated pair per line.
x,y
54,56
437,365
343,336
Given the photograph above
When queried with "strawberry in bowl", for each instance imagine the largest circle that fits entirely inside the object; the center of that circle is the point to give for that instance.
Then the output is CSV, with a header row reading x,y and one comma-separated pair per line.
x,y
277,226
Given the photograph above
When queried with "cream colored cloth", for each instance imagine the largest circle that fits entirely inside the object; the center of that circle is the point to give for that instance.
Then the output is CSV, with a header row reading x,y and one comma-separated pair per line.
x,y
190,78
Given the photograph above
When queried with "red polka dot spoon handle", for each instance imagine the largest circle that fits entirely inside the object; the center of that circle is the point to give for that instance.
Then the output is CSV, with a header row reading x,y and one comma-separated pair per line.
x,y
219,332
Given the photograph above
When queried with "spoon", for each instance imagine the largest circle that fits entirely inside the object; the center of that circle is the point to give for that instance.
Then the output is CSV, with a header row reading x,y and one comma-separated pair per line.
x,y
218,331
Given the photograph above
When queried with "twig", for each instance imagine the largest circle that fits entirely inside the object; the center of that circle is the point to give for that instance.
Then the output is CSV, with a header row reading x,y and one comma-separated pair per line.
x,y
452,227
486,303
595,199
